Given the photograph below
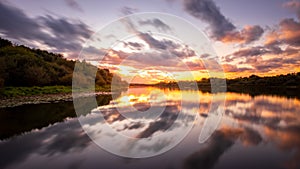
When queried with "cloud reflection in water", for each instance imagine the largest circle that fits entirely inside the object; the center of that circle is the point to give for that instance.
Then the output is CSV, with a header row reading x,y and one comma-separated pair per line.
x,y
257,132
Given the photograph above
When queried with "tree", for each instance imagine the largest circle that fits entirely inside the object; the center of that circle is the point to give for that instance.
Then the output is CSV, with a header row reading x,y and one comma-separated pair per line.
x,y
4,43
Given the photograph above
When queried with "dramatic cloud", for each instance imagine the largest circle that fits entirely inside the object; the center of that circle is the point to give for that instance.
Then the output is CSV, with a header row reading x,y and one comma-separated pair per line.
x,y
16,24
68,34
259,51
173,48
248,52
164,45
128,10
234,68
271,38
287,33
133,45
293,5
280,49
150,51
246,35
156,23
275,63
290,32
195,65
207,11
265,58
267,67
150,59
255,57
221,28
153,52
91,53
156,44
74,5
60,34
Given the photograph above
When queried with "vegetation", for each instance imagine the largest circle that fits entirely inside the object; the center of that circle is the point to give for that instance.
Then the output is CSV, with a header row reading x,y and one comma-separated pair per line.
x,y
291,80
22,67
36,90
283,85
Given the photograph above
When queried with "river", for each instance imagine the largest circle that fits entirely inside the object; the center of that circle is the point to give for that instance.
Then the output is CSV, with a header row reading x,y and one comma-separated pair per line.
x,y
261,131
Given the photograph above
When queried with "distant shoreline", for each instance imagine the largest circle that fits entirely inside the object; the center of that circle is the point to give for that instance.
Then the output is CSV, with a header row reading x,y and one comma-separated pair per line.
x,y
251,89
50,94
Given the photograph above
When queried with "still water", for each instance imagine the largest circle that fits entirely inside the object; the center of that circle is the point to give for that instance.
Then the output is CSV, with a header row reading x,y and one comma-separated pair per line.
x,y
260,131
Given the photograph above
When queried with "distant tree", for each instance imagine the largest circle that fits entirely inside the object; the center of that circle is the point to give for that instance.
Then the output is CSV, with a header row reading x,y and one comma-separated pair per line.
x,y
36,76
100,80
4,43
2,72
255,77
66,80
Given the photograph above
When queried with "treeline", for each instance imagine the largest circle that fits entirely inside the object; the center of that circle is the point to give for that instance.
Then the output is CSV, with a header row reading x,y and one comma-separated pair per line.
x,y
288,80
282,85
291,79
24,66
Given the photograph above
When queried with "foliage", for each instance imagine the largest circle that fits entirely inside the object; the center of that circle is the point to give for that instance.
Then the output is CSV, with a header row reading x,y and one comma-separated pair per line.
x,y
291,79
35,90
242,84
21,66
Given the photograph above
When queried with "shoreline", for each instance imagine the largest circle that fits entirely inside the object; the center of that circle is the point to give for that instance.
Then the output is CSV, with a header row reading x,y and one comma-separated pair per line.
x,y
62,96
43,98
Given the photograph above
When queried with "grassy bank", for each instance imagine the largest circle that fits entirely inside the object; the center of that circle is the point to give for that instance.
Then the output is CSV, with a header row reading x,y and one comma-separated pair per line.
x,y
7,92
30,91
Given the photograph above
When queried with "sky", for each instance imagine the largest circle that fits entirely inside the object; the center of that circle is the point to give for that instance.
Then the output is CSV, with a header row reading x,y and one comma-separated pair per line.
x,y
244,37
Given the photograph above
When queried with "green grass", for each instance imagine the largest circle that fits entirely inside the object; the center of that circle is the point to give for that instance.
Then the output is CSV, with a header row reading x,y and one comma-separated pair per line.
x,y
105,88
35,90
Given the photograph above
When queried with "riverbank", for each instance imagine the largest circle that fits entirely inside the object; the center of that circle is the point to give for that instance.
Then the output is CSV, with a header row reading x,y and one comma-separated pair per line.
x,y
38,99
8,92
16,96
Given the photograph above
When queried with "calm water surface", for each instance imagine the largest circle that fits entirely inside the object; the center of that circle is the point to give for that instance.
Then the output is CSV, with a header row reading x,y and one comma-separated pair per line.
x,y
254,132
